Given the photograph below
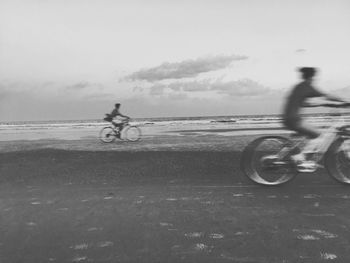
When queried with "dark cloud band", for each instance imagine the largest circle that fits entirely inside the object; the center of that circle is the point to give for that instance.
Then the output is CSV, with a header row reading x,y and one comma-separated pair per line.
x,y
184,69
239,88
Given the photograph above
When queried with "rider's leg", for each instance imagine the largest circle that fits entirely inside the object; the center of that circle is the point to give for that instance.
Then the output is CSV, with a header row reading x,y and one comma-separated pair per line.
x,y
118,127
300,158
117,124
312,134
297,125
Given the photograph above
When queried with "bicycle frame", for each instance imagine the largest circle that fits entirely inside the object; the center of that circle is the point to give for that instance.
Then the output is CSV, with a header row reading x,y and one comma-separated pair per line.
x,y
324,141
121,125
123,131
265,164
321,144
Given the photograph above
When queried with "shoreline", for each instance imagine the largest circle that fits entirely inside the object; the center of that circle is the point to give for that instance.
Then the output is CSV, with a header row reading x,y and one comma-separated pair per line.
x,y
167,141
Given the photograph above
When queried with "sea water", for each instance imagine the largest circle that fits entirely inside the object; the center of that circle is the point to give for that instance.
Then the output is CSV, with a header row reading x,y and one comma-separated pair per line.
x,y
223,125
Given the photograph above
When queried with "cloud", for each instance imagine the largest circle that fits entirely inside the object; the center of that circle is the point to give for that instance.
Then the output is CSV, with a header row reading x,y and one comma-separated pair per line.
x,y
43,91
191,86
137,88
78,86
179,86
185,69
43,100
300,50
178,96
182,104
84,85
239,88
157,90
194,86
12,89
100,97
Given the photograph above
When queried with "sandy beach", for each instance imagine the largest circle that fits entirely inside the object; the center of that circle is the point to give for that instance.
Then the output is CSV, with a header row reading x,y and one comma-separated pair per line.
x,y
202,80
171,197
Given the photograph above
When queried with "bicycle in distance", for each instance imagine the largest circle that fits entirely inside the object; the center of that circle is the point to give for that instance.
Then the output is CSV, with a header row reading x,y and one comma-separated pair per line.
x,y
122,131
267,160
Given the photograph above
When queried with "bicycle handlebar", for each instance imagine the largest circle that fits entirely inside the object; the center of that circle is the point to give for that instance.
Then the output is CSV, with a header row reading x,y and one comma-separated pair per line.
x,y
330,105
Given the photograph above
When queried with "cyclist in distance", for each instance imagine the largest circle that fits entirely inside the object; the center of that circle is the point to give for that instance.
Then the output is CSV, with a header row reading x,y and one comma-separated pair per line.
x,y
117,122
292,117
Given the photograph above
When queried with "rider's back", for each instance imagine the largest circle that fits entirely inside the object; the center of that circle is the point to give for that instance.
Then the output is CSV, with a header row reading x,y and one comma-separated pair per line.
x,y
297,98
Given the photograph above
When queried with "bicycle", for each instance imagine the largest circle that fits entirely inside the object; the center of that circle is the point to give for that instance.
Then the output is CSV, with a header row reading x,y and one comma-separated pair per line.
x,y
126,131
267,160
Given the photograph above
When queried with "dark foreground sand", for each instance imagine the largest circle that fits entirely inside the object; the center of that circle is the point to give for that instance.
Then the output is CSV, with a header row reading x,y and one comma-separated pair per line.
x,y
175,202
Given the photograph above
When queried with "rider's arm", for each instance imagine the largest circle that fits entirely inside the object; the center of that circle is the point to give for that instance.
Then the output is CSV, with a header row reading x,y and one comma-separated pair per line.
x,y
313,93
124,116
316,93
307,104
334,98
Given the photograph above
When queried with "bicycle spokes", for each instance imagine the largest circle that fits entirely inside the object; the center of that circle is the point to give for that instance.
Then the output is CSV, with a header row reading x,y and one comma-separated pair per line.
x,y
337,161
262,163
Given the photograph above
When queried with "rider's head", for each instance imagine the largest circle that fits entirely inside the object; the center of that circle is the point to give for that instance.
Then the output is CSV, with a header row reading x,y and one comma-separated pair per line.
x,y
117,105
307,73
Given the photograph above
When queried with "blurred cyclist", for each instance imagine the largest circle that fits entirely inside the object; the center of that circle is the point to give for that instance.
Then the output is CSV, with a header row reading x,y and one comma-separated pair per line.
x,y
118,118
293,120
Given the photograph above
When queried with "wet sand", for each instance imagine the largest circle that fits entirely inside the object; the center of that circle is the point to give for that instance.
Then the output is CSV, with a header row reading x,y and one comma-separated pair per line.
x,y
173,198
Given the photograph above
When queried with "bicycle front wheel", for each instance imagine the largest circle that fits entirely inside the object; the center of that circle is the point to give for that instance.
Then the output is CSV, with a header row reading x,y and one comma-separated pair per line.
x,y
132,133
262,163
337,160
107,134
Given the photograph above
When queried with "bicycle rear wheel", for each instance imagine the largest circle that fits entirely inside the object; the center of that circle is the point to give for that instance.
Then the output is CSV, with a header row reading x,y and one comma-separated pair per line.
x,y
132,133
261,163
337,160
107,134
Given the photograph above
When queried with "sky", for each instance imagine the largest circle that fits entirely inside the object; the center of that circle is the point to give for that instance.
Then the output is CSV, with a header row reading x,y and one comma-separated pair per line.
x,y
76,59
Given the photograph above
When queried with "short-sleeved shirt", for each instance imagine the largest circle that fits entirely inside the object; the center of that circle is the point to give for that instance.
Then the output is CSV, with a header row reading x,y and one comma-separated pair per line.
x,y
115,113
297,98
117,116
